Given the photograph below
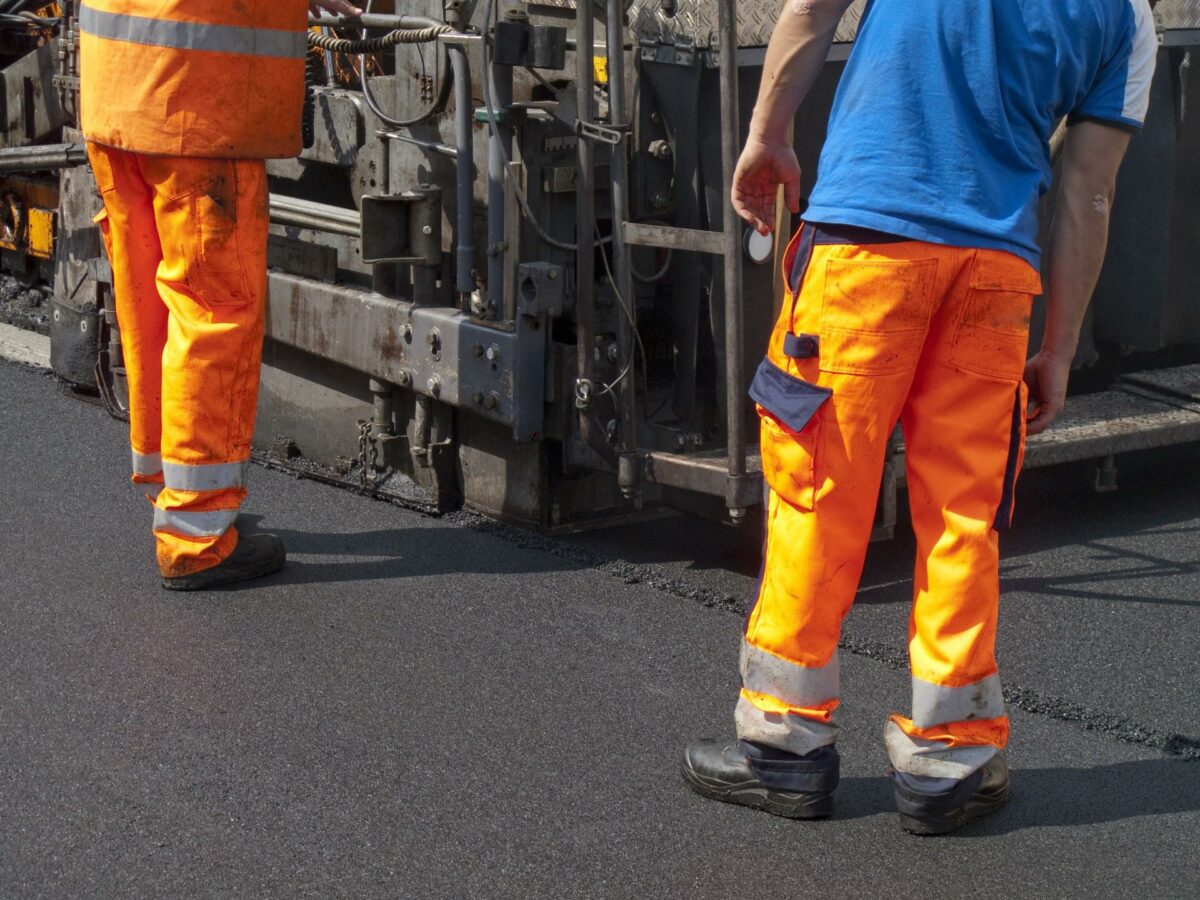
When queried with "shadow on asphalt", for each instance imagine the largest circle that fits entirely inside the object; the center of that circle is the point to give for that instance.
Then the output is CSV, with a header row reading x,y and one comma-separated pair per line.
x,y
1136,569
1127,790
1056,507
386,554
1050,798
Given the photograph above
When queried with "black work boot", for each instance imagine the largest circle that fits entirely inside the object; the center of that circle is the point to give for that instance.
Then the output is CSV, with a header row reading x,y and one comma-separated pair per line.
x,y
761,777
254,556
941,805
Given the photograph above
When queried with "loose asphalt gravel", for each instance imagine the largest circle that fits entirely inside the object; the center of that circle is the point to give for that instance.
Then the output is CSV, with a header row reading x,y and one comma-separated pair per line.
x,y
419,707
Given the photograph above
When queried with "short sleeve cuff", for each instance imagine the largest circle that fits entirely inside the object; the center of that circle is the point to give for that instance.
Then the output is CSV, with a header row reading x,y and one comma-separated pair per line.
x,y
1120,122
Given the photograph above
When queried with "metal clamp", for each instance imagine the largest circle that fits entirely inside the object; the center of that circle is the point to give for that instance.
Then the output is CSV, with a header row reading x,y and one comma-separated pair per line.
x,y
604,134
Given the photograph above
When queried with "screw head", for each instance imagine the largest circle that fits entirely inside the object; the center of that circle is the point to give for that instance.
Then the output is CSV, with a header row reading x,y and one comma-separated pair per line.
x,y
491,402
435,386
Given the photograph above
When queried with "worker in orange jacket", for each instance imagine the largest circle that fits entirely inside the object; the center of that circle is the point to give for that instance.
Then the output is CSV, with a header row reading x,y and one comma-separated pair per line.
x,y
908,298
182,103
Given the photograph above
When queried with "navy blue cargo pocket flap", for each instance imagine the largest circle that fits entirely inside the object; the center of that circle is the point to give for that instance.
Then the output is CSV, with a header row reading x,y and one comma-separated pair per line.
x,y
791,400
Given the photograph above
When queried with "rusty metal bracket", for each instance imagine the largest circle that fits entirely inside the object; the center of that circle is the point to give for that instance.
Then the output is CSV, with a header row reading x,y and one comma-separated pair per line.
x,y
403,228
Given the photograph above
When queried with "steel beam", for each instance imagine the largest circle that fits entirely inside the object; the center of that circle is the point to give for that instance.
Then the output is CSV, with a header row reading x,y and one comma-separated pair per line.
x,y
435,351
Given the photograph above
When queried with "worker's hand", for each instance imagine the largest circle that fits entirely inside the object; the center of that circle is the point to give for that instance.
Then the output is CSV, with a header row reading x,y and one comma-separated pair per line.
x,y
337,7
1046,376
760,170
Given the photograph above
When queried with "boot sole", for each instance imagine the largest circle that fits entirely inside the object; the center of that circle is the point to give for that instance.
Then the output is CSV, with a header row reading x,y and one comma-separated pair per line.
x,y
975,808
210,578
777,803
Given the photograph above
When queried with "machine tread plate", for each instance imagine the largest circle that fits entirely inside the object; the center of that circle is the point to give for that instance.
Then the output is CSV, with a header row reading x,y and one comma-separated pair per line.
x,y
1182,382
1177,14
1095,425
695,22
1092,426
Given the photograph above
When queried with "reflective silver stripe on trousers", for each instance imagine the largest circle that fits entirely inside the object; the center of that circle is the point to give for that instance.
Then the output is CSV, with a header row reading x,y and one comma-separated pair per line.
x,y
146,463
936,704
766,673
933,758
208,477
194,524
271,42
795,734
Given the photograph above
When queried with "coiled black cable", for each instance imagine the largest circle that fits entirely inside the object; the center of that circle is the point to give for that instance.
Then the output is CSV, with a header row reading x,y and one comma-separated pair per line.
x,y
332,44
314,73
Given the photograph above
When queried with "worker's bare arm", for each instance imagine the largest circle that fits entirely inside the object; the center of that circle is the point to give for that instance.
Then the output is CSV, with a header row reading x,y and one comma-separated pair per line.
x,y
796,52
337,7
1078,239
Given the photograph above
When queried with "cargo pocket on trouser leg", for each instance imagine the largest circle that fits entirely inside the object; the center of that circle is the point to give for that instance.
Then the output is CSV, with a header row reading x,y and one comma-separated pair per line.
x,y
790,431
1016,458
991,336
875,314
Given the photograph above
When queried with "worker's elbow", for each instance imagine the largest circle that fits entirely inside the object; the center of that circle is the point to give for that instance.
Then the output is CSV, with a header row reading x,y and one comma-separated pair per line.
x,y
1093,197
1101,200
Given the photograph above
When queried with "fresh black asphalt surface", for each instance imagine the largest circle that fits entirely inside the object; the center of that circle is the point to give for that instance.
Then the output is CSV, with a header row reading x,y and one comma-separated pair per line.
x,y
418,707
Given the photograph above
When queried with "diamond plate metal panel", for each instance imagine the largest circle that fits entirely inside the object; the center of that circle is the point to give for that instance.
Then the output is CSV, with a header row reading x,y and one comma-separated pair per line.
x,y
1176,14
848,27
695,22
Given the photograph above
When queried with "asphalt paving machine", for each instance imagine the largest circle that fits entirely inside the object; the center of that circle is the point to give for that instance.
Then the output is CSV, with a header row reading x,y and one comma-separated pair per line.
x,y
505,273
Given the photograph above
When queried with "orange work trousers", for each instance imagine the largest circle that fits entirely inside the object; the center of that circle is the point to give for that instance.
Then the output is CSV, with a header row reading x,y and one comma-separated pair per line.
x,y
876,330
187,239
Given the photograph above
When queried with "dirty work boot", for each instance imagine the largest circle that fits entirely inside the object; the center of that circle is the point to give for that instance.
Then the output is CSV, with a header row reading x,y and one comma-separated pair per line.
x,y
941,805
254,556
762,777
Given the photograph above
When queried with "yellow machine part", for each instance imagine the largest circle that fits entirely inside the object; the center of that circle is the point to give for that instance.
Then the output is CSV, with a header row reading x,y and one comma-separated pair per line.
x,y
40,232
28,216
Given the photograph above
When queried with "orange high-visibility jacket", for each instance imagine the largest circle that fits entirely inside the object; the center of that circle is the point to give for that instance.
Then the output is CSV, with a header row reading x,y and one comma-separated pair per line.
x,y
213,78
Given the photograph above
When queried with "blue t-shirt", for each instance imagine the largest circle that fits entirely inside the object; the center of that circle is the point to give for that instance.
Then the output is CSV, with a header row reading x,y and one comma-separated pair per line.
x,y
941,124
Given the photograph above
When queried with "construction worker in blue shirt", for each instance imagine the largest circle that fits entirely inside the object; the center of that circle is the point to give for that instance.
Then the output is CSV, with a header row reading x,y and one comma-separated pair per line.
x,y
908,297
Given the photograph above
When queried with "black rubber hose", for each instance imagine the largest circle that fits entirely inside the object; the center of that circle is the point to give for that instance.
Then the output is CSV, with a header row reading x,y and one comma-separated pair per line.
x,y
439,104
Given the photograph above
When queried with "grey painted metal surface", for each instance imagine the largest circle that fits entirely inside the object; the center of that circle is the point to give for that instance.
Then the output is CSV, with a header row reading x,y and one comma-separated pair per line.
x,y
41,157
434,351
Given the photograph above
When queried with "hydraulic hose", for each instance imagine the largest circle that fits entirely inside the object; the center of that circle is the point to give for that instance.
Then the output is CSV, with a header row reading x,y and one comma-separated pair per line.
x,y
332,44
464,137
